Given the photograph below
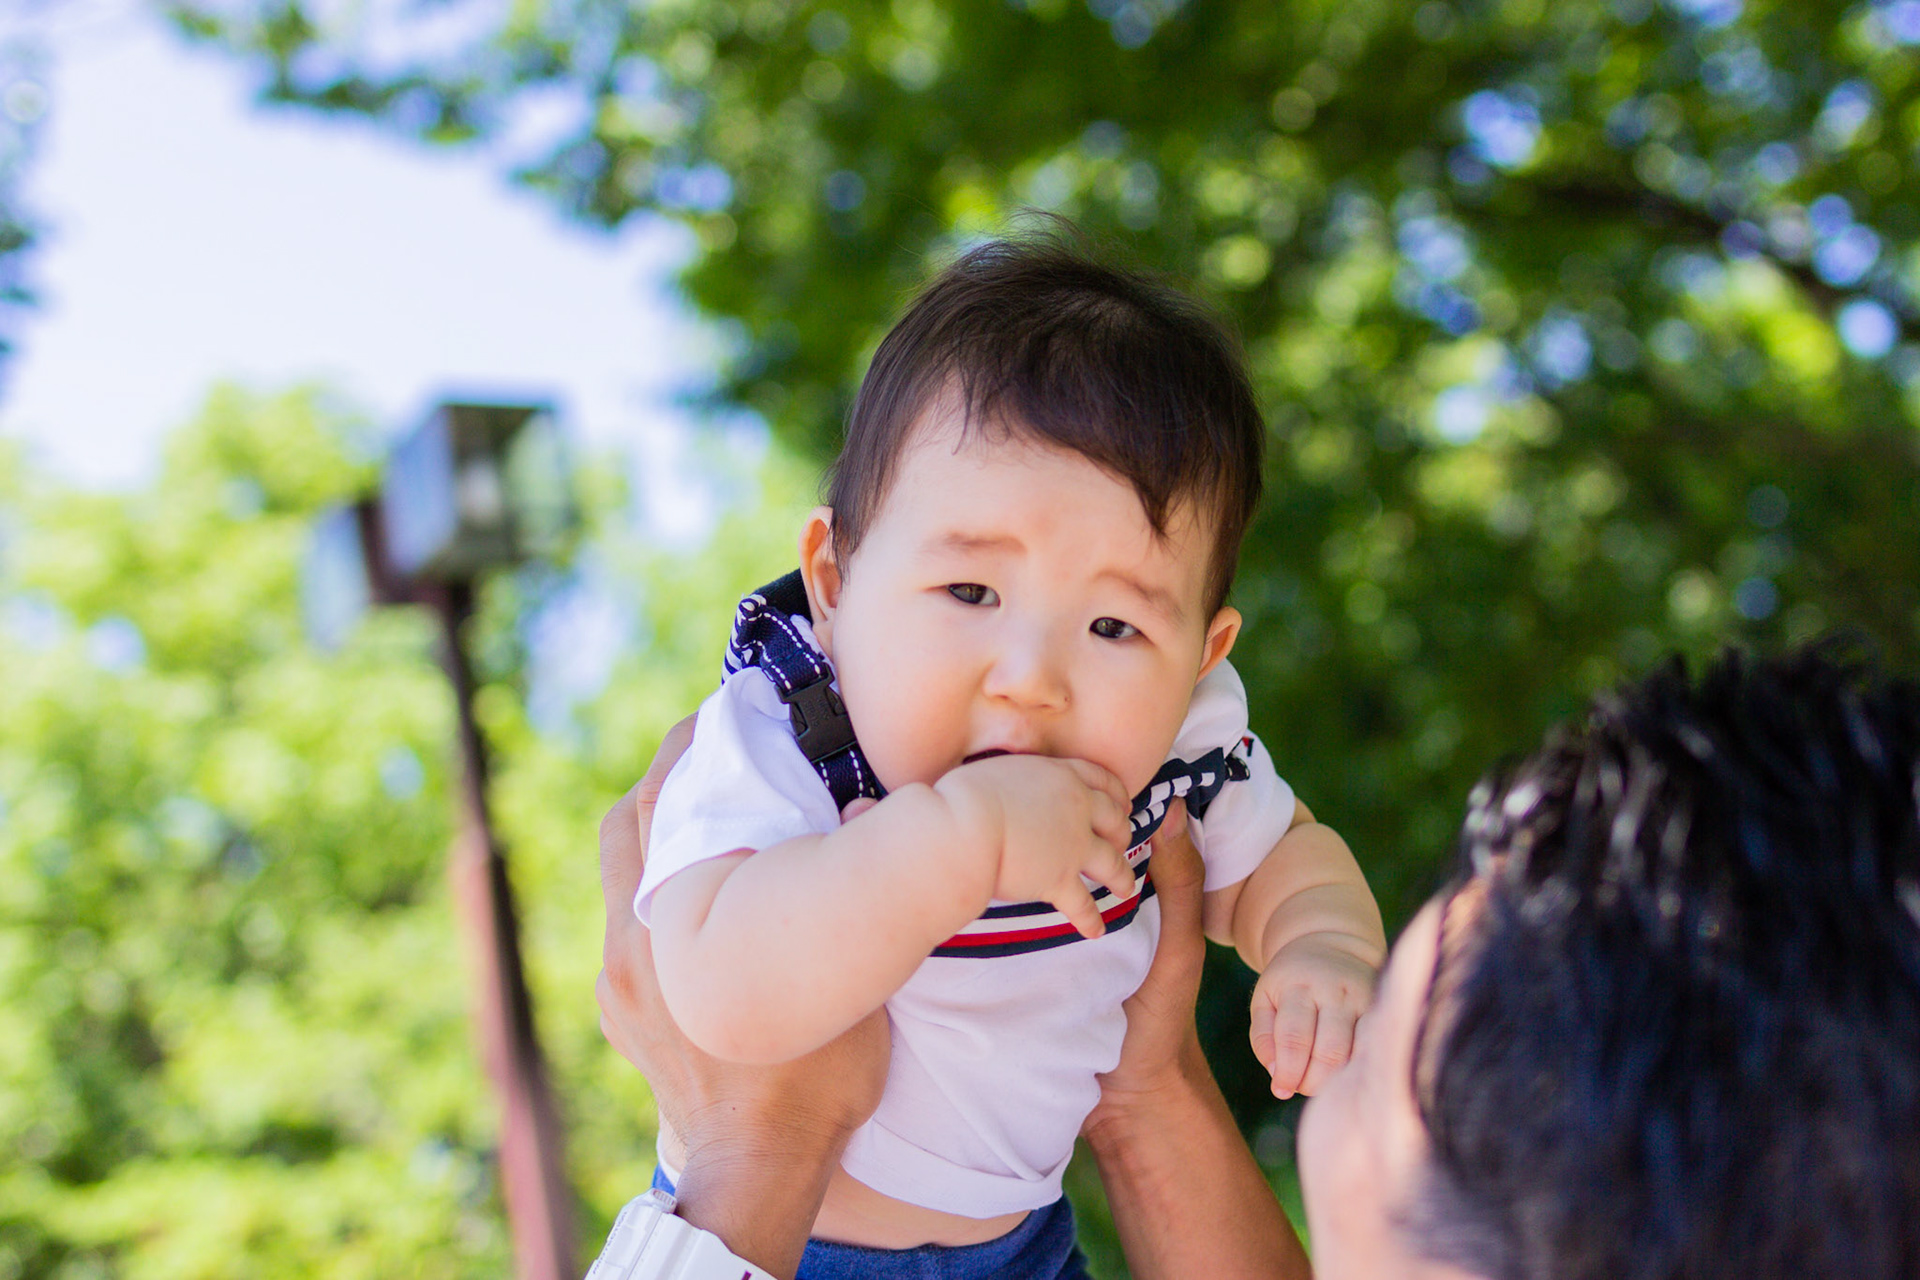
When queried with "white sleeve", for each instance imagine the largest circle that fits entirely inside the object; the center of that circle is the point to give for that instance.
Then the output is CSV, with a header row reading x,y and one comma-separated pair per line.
x,y
742,784
1247,818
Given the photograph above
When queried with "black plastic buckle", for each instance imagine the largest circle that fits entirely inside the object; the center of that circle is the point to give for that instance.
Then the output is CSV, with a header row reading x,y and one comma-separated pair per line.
x,y
819,718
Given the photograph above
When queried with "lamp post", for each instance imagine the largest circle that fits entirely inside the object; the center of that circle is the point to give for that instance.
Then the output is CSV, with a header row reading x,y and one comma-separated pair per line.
x,y
472,488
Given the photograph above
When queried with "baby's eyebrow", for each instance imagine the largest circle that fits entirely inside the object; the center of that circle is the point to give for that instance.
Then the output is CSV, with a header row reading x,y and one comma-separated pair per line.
x,y
960,540
1158,599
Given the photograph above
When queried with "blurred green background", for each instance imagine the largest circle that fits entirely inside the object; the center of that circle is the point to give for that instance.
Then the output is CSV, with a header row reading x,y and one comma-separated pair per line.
x,y
1587,332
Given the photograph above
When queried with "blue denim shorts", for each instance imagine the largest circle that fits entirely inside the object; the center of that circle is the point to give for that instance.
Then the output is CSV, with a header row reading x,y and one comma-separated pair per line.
x,y
1042,1247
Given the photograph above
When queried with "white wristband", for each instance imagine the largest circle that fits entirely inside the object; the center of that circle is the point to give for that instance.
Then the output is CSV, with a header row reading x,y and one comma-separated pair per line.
x,y
649,1243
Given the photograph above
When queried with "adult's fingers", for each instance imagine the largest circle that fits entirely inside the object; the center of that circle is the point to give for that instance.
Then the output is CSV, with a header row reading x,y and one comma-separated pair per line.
x,y
623,832
1293,1024
1164,1001
1332,1046
1178,876
623,855
673,744
1160,1029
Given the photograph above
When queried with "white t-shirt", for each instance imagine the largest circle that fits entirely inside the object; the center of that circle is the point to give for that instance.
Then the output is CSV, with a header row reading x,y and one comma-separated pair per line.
x,y
994,1051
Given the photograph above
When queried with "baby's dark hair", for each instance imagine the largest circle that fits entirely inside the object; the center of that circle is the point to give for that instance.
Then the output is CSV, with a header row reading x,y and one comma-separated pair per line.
x,y
1046,343
1675,1029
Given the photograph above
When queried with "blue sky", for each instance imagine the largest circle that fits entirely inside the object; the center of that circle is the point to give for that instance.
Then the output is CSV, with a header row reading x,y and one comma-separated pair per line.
x,y
193,237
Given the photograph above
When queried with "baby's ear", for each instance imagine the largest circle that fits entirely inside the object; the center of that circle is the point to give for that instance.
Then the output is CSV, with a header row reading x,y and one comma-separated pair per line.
x,y
1221,633
820,571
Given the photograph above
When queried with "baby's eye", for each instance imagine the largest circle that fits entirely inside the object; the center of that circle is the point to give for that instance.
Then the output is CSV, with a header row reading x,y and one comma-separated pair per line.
x,y
1113,629
972,593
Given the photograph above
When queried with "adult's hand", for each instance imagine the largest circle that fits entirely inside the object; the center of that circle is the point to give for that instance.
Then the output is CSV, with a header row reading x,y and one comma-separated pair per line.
x,y
761,1142
1162,1045
1188,1198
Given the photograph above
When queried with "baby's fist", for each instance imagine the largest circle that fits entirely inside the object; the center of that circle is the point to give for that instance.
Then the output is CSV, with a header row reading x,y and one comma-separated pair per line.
x,y
1304,1009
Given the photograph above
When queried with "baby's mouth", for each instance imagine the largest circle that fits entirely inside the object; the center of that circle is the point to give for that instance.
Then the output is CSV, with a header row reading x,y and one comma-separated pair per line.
x,y
988,754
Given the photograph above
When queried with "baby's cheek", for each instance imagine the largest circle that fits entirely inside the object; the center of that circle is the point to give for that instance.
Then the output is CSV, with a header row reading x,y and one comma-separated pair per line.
x,y
901,749
1133,751
878,744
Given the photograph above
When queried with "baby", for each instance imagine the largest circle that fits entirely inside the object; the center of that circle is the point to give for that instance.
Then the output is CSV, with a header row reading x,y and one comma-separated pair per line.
x,y
930,777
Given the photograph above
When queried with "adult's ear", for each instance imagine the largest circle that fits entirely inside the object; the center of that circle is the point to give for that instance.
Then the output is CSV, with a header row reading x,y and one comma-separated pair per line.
x,y
1221,633
820,571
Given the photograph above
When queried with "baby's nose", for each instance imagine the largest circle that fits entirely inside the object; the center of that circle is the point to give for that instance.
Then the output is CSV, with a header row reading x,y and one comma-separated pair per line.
x,y
1028,671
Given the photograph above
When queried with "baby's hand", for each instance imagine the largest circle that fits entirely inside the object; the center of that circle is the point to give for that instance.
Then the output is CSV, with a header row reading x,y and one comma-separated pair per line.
x,y
1051,822
1304,1008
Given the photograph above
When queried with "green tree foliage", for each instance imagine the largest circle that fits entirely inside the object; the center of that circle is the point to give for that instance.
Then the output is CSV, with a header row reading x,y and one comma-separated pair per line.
x,y
234,1031
217,853
1587,329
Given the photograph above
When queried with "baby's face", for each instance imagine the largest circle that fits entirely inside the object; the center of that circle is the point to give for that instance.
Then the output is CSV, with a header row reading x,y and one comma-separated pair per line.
x,y
1010,596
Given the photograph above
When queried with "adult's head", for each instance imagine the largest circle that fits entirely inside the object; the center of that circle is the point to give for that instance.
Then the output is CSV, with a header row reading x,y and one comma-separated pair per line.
x,y
1666,1021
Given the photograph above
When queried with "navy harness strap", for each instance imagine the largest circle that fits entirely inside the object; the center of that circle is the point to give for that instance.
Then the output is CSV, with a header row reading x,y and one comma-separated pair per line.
x,y
764,636
1198,782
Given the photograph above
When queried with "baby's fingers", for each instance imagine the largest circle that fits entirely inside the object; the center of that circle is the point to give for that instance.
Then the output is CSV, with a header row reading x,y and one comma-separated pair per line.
x,y
1113,807
1077,905
1293,1024
1112,823
1332,1046
1105,866
1260,1031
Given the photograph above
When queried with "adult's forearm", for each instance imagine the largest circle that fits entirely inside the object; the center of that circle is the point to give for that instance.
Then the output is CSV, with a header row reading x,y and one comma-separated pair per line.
x,y
761,1202
1187,1197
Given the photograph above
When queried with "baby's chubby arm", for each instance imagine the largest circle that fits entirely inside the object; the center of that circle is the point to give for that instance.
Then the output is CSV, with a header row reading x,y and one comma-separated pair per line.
x,y
1307,922
766,955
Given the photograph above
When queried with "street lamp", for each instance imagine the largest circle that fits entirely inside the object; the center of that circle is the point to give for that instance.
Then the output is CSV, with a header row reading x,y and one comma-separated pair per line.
x,y
474,487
